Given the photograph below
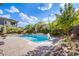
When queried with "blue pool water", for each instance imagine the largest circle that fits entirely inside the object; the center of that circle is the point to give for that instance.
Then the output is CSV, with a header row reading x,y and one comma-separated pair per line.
x,y
35,37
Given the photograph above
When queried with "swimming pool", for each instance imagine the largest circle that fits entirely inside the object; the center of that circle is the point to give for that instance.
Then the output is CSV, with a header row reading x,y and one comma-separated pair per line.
x,y
35,37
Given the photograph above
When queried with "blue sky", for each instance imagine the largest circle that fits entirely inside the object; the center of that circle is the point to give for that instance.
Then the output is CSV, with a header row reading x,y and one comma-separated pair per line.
x,y
31,13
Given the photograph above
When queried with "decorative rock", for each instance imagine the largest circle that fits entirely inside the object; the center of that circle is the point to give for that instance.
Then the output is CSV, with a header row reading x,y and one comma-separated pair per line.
x,y
1,43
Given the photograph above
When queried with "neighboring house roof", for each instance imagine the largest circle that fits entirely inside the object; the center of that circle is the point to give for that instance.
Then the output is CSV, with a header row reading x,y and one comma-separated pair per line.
x,y
11,20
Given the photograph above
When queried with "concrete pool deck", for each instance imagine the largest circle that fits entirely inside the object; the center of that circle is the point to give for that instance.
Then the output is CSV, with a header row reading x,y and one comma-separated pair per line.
x,y
16,46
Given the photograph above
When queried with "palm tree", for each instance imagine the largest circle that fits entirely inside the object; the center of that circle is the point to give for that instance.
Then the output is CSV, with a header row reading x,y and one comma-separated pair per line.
x,y
49,23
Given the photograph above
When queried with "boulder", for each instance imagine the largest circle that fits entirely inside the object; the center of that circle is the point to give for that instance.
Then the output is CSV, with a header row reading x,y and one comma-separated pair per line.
x,y
74,32
1,43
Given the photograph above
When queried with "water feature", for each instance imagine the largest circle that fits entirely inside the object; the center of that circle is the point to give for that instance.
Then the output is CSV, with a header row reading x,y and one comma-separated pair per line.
x,y
35,37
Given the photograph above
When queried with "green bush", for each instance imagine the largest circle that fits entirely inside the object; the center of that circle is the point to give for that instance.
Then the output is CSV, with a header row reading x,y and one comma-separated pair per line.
x,y
14,30
45,31
29,31
57,32
1,29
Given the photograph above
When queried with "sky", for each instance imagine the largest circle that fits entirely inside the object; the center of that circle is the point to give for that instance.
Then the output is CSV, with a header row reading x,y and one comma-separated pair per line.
x,y
31,13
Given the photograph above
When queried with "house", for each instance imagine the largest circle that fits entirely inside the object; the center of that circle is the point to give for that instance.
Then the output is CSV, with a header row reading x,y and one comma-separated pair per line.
x,y
8,22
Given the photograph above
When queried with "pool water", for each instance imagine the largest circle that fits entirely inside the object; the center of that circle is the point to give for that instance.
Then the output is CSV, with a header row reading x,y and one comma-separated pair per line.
x,y
35,37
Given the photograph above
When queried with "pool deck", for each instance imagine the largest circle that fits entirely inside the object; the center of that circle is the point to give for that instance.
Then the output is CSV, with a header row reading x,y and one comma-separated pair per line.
x,y
16,46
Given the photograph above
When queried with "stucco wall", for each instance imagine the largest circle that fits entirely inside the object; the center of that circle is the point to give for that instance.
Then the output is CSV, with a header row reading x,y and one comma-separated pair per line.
x,y
7,23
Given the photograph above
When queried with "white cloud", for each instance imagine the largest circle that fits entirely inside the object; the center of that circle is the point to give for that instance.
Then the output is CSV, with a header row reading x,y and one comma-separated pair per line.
x,y
50,19
6,15
76,9
62,5
1,12
46,6
34,19
13,9
21,24
25,19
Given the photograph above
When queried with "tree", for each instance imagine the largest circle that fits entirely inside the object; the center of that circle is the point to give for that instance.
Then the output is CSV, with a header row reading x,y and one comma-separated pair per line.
x,y
66,17
66,20
77,18
38,26
29,28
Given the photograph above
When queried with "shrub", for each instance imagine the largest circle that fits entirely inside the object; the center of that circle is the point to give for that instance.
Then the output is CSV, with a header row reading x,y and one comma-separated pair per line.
x,y
57,32
1,29
14,30
44,31
29,31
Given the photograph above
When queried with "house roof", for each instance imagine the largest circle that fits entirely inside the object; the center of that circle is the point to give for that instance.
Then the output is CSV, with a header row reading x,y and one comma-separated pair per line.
x,y
11,20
